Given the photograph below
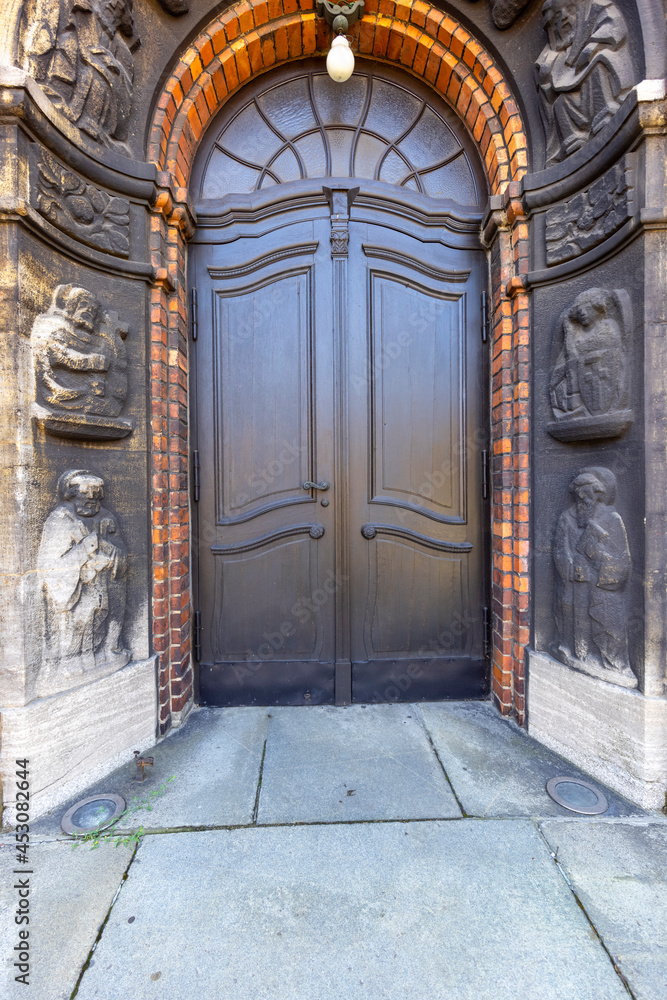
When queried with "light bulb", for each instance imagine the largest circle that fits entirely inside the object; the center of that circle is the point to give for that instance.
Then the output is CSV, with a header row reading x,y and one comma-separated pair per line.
x,y
340,61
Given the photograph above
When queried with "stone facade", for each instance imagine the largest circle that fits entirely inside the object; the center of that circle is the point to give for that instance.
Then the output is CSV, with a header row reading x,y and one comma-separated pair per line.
x,y
104,107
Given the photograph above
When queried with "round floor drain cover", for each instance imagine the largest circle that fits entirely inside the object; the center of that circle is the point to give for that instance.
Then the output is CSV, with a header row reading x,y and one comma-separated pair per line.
x,y
94,813
577,796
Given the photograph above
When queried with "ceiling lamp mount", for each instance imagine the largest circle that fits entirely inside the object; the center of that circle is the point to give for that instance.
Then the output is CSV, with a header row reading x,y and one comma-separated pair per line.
x,y
340,60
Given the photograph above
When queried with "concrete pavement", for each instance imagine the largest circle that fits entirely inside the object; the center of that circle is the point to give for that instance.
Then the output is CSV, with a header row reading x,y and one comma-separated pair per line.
x,y
384,851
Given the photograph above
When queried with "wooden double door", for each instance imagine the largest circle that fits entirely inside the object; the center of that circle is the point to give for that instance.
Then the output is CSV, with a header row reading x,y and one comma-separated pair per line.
x,y
340,434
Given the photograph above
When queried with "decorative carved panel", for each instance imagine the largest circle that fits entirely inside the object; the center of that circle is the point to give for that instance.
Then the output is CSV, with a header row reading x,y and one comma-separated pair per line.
x,y
80,365
263,405
505,12
589,386
78,208
593,565
81,55
81,570
417,380
584,72
590,217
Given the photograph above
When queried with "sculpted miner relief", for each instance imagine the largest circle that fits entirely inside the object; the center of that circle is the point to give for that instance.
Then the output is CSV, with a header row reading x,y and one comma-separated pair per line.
x,y
80,365
81,568
80,52
589,385
583,73
593,565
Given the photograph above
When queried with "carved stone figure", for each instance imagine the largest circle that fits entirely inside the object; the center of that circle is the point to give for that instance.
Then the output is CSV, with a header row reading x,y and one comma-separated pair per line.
x,y
505,12
175,7
81,567
78,208
589,383
80,51
583,73
80,364
591,216
593,564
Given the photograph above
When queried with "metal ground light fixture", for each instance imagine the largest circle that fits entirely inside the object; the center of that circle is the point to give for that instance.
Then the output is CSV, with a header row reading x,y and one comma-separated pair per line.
x,y
340,60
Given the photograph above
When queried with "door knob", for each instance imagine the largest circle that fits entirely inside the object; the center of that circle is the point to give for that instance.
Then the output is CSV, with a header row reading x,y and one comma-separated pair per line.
x,y
314,486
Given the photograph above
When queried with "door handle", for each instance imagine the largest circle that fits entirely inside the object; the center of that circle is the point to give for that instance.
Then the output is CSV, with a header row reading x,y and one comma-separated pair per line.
x,y
314,486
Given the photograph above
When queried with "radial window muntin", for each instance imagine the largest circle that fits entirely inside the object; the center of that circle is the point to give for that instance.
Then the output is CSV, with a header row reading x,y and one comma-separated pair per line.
x,y
432,144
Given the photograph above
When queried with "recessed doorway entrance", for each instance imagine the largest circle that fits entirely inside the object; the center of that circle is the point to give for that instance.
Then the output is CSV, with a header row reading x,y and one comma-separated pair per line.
x,y
339,397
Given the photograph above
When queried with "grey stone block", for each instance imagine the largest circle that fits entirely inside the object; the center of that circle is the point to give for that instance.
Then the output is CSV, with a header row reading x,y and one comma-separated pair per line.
x,y
619,872
326,764
467,910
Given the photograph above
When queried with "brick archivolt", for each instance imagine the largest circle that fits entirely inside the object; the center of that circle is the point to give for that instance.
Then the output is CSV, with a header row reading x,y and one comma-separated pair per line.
x,y
250,37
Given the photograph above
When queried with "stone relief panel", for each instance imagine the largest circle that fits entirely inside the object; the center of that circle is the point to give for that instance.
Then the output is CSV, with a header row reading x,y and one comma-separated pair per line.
x,y
175,7
589,386
80,366
584,72
590,217
80,52
78,208
505,12
81,570
593,566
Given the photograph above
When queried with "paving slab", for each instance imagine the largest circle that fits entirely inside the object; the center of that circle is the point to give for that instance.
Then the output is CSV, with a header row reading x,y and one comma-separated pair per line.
x,y
327,764
215,760
496,769
619,872
447,910
70,895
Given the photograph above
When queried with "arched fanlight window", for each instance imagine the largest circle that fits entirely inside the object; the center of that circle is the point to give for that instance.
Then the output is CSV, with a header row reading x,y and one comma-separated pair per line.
x,y
309,127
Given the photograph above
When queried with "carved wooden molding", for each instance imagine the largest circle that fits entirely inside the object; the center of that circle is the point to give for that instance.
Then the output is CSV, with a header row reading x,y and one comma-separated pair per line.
x,y
315,531
369,531
299,249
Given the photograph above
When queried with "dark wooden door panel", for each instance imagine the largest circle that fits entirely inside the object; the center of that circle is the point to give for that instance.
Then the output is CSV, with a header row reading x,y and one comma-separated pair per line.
x,y
264,404
264,426
366,376
417,545
417,366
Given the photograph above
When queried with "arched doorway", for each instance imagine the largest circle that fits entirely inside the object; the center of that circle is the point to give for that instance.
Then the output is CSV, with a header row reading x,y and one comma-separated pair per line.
x,y
339,400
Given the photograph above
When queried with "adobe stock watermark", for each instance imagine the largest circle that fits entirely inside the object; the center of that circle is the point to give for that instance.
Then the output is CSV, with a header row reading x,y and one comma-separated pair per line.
x,y
301,612
455,638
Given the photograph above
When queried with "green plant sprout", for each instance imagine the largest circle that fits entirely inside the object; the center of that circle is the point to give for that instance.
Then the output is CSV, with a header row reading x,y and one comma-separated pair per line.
x,y
98,836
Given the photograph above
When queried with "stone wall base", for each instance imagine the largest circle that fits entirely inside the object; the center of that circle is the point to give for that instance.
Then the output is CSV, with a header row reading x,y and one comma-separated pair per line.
x,y
75,738
615,734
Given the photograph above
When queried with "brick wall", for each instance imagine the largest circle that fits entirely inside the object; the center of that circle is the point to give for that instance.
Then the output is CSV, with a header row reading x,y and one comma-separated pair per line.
x,y
249,38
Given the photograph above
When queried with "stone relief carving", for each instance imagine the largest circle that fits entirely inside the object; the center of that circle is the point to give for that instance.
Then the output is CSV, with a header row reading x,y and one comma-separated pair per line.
x,y
590,381
590,217
78,208
584,71
80,52
593,565
81,569
80,365
175,7
505,12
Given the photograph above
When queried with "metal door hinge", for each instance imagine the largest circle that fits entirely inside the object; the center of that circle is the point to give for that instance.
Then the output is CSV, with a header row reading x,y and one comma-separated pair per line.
x,y
195,476
486,625
193,312
485,474
196,635
485,317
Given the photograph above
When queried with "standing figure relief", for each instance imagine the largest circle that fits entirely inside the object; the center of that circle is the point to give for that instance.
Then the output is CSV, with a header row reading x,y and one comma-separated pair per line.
x,y
81,568
80,364
593,566
589,385
80,52
584,72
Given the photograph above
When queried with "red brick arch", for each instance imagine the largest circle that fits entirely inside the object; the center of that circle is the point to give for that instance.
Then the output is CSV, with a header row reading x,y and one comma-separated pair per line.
x,y
252,36
247,39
